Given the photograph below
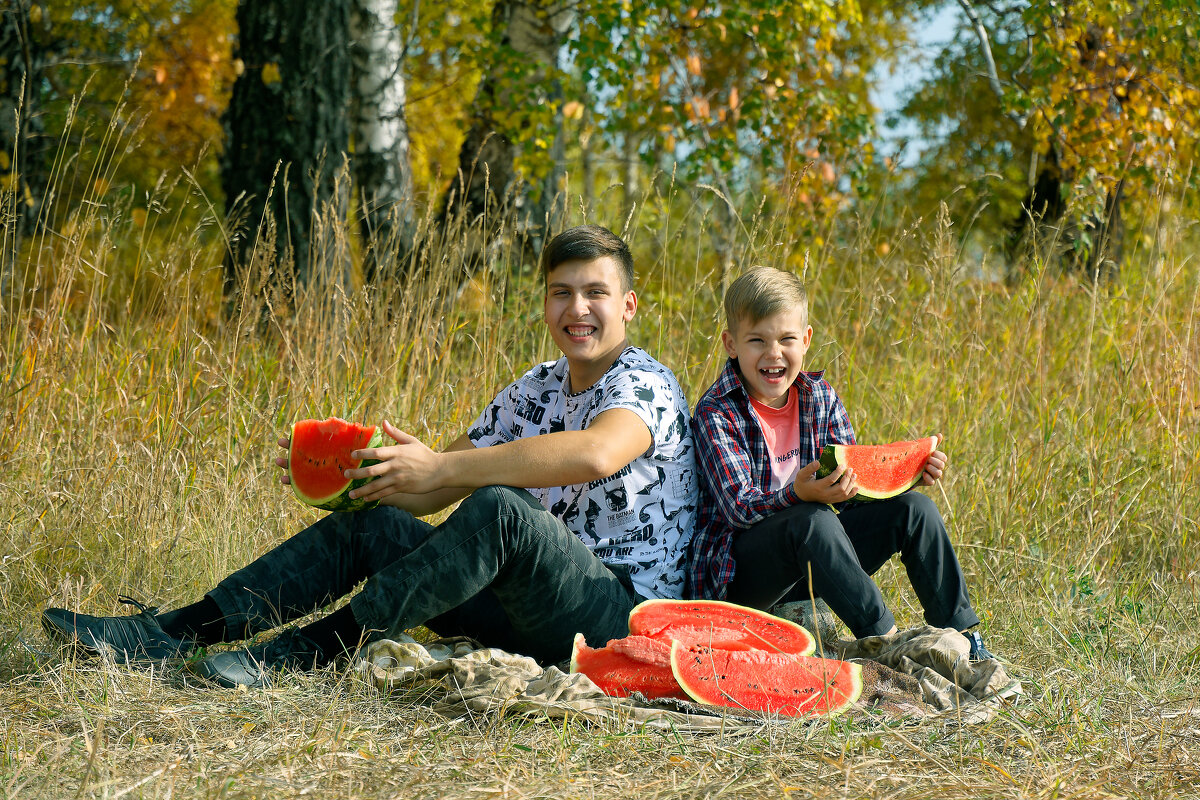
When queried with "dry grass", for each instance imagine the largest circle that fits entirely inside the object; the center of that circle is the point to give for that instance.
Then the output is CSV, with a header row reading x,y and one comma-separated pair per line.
x,y
139,426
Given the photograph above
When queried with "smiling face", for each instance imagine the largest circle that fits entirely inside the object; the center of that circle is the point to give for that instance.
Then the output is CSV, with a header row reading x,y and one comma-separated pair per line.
x,y
587,310
770,353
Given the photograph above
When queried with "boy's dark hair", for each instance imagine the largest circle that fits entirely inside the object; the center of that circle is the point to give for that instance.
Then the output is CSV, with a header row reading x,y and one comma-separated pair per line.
x,y
761,292
587,243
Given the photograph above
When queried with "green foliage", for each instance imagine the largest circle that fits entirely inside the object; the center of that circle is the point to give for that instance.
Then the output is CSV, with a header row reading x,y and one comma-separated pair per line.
x,y
154,74
1111,86
730,90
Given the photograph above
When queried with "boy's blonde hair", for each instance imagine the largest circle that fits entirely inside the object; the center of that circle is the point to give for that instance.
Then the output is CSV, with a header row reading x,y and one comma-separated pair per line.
x,y
761,292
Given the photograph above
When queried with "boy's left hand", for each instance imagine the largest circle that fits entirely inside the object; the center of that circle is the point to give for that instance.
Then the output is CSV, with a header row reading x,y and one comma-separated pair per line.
x,y
934,467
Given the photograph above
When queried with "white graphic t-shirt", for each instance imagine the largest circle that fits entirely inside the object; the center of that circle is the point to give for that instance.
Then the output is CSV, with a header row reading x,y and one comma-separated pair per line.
x,y
642,516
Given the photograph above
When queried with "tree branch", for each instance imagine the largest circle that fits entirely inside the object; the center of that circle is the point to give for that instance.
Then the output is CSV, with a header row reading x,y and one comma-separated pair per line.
x,y
986,47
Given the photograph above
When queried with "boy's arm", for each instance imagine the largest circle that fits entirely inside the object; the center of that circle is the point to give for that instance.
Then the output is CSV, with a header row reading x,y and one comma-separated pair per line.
x,y
416,504
613,439
729,474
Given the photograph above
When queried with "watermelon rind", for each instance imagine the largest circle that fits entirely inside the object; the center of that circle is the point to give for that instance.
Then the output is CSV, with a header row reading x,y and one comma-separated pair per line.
x,y
771,683
340,500
755,629
871,487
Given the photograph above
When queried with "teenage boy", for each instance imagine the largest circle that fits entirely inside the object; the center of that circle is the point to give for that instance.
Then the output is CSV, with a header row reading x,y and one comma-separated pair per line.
x,y
767,528
600,443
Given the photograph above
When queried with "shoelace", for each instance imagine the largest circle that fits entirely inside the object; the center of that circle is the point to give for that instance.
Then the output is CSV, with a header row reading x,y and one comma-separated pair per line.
x,y
141,607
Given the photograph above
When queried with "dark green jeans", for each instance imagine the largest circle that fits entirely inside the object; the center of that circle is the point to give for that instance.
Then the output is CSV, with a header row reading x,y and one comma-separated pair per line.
x,y
501,569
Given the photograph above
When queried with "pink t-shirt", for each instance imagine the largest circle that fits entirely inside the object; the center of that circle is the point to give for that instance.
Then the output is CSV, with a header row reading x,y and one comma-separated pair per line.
x,y
781,429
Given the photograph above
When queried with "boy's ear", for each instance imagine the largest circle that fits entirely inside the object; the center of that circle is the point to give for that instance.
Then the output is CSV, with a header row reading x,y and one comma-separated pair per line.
x,y
631,304
727,340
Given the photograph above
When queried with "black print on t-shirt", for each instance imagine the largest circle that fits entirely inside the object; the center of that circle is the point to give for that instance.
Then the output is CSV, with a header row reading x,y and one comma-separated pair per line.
x,y
589,518
617,497
644,514
653,487
527,409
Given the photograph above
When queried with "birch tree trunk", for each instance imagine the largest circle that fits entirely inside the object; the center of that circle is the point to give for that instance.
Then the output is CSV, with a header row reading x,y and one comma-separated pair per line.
x,y
382,174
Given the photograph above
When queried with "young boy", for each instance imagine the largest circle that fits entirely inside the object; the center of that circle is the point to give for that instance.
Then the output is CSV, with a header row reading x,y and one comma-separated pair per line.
x,y
766,528
598,440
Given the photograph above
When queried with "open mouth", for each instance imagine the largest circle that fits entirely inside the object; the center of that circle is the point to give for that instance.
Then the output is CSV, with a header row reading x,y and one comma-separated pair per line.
x,y
772,373
580,331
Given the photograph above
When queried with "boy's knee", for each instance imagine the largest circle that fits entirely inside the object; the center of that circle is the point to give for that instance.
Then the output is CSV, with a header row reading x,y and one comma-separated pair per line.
x,y
918,505
811,523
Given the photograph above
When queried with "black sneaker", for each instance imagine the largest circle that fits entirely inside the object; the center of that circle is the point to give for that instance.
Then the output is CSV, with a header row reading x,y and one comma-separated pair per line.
x,y
127,640
252,666
978,651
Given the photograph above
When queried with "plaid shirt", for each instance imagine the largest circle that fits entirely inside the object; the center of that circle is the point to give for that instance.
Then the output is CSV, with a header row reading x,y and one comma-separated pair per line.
x,y
735,468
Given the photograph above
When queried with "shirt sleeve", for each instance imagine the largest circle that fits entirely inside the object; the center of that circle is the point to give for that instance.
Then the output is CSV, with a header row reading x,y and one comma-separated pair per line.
x,y
651,396
728,473
497,423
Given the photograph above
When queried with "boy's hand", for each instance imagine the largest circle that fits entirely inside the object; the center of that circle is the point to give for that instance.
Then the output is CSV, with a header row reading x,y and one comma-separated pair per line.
x,y
282,463
837,486
407,466
934,467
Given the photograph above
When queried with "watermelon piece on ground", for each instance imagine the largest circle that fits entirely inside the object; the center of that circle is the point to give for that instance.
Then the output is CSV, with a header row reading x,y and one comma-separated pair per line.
x,y
617,673
882,470
719,624
320,454
774,683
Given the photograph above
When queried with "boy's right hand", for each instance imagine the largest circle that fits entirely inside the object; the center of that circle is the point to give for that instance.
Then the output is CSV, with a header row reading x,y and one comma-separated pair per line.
x,y
282,463
836,487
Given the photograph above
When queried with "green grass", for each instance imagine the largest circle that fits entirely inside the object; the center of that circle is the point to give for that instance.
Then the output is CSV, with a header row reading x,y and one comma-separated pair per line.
x,y
138,437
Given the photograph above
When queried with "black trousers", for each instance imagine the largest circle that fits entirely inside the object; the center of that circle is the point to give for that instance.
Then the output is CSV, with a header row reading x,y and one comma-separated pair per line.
x,y
841,551
500,569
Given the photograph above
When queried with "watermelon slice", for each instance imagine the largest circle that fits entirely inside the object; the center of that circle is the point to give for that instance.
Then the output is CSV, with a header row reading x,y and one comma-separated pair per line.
x,y
617,670
719,624
319,456
883,470
775,683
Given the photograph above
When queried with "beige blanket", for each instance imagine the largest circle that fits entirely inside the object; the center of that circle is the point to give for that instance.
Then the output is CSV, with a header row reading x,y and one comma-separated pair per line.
x,y
916,674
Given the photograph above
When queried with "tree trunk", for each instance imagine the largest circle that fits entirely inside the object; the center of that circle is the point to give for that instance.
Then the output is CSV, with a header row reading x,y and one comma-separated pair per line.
x,y
533,32
1107,235
587,165
547,209
24,50
286,138
382,174
1041,214
629,173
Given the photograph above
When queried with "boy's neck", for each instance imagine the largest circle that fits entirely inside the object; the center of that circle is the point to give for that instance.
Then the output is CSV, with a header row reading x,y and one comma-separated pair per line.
x,y
582,375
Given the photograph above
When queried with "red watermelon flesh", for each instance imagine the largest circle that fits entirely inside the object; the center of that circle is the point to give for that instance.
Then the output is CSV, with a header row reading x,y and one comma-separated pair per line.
x,y
719,624
643,649
882,470
774,683
320,455
618,674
